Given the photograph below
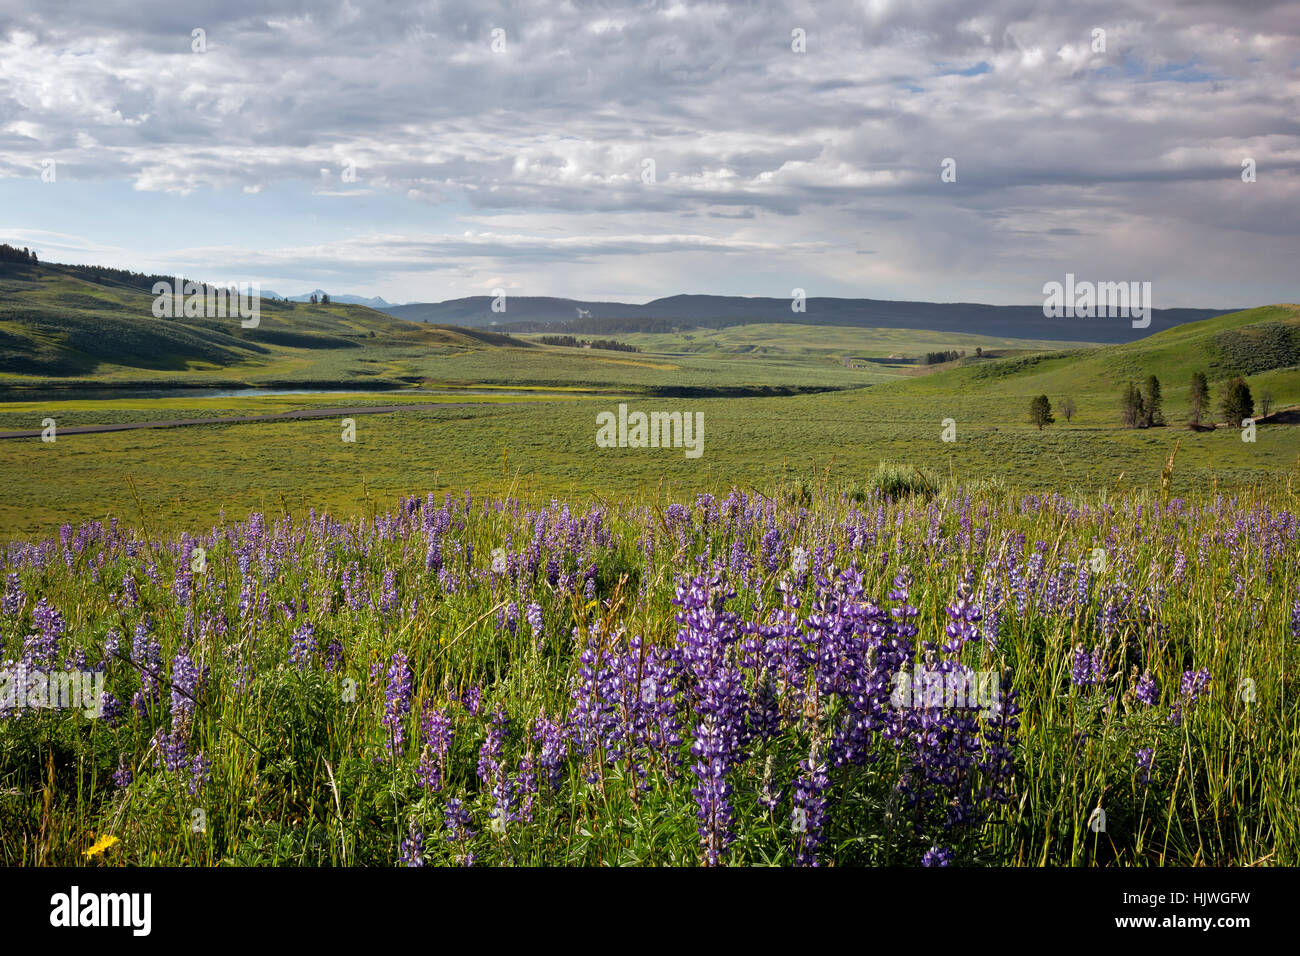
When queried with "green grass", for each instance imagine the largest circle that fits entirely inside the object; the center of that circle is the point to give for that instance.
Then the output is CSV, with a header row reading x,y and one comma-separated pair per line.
x,y
186,476
780,402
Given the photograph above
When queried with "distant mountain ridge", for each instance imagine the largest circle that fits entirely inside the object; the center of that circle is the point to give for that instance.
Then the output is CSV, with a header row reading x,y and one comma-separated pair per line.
x,y
375,303
540,313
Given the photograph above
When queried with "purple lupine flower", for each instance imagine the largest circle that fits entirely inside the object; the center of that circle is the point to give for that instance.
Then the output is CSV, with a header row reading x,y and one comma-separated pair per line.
x,y
183,581
1000,737
200,773
1081,668
1088,668
593,720
1082,585
397,697
388,598
964,615
1147,691
14,599
536,622
433,556
185,689
677,514
412,849
943,744
172,751
554,749
526,786
130,595
144,648
436,727
110,709
856,650
112,644
42,648
492,771
472,699
1145,756
624,706
1194,684
123,776
720,702
771,550
456,817
765,708
302,646
333,655
740,563
937,856
147,654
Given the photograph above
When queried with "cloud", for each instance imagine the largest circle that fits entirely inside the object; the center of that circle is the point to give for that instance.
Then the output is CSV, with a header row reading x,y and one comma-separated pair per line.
x,y
1060,148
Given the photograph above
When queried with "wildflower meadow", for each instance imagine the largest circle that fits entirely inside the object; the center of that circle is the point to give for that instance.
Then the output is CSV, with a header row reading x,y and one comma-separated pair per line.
x,y
803,678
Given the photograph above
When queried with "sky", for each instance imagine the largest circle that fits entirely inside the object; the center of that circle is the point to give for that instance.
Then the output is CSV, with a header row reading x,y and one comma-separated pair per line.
x,y
423,151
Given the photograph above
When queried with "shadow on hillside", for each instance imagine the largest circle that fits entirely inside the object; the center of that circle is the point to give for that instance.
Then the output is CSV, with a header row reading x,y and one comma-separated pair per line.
x,y
1289,416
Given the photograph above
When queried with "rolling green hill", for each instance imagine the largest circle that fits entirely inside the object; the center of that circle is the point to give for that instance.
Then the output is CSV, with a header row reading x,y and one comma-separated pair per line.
x,y
62,322
1262,345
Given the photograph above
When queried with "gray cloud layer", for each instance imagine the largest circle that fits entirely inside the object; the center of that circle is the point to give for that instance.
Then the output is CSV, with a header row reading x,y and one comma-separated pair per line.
x,y
1122,162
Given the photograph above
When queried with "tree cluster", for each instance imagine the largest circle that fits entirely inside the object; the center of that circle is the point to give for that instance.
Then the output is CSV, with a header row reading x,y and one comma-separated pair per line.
x,y
1237,403
1142,407
10,253
569,341
938,358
